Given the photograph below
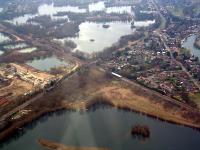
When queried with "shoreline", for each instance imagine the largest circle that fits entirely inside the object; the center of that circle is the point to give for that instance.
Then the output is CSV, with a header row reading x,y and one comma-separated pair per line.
x,y
54,145
6,134
197,42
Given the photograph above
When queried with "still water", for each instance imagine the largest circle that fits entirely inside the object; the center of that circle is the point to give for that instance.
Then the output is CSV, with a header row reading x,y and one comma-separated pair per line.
x,y
189,44
105,126
28,50
93,37
51,10
1,52
100,6
22,19
47,63
4,38
15,46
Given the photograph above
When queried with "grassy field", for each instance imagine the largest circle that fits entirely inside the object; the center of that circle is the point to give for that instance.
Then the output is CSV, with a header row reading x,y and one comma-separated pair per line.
x,y
90,86
196,98
176,11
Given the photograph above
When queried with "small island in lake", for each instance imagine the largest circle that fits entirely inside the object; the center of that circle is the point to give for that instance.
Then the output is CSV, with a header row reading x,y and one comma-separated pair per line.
x,y
106,26
197,42
140,131
92,40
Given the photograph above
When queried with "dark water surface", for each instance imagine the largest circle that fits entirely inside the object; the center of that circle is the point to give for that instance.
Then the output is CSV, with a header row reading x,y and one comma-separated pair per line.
x,y
104,127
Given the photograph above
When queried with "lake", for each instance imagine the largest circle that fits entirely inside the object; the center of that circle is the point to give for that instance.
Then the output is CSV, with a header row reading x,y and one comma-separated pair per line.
x,y
189,44
45,64
92,37
104,126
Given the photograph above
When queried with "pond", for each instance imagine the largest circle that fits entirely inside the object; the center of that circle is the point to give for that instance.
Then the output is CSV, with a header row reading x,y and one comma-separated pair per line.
x,y
119,10
144,23
28,50
100,6
45,64
4,38
189,44
1,52
104,126
22,19
50,10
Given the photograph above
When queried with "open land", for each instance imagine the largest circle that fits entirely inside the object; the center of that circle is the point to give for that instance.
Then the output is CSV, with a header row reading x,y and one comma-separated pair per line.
x,y
145,73
93,86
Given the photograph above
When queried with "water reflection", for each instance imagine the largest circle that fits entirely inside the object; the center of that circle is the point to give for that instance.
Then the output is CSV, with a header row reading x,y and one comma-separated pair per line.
x,y
22,19
120,10
28,50
45,64
103,126
94,37
50,10
144,23
99,6
15,46
189,44
1,52
4,38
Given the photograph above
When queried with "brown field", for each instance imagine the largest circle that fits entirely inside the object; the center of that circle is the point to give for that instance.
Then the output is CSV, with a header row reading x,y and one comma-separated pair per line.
x,y
25,68
17,87
90,86
197,43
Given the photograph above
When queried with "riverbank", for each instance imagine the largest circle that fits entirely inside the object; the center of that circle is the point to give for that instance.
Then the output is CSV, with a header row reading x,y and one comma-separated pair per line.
x,y
58,146
91,86
197,43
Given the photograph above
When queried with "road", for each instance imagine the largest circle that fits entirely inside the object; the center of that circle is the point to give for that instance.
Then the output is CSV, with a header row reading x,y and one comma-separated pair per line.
x,y
38,96
35,98
152,92
163,39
